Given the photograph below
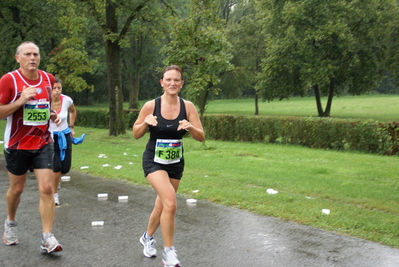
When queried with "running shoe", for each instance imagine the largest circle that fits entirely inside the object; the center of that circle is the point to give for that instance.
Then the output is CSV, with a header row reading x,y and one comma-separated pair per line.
x,y
169,258
56,199
50,244
148,243
10,236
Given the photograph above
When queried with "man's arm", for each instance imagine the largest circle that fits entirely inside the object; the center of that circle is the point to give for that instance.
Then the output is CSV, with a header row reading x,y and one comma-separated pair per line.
x,y
9,109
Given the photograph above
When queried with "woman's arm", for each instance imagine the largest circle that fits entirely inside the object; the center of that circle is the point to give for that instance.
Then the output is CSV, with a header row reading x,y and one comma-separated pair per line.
x,y
72,118
193,125
144,119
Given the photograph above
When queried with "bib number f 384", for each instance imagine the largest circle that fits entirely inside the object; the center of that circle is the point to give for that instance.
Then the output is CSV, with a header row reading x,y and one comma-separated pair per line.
x,y
168,151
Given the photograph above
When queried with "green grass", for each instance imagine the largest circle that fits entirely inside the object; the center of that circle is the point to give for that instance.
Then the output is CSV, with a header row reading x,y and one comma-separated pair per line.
x,y
384,108
361,190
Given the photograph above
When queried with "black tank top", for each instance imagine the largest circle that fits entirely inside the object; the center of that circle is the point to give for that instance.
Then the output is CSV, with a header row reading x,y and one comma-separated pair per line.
x,y
165,129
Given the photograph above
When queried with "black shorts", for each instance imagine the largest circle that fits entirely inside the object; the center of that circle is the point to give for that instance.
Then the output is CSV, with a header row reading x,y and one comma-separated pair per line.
x,y
20,161
174,170
63,166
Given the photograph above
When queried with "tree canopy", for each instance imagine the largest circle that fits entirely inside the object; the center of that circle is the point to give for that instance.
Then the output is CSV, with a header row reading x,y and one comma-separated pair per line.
x,y
329,46
227,48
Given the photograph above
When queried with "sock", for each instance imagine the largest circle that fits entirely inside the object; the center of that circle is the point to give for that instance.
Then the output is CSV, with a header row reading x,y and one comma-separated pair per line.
x,y
166,249
11,223
146,236
46,235
56,194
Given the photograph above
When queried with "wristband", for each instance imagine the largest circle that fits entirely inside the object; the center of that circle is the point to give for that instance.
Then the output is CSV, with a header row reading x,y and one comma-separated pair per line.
x,y
70,126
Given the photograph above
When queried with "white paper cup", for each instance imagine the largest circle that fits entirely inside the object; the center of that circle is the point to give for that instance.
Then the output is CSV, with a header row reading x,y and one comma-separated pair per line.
x,y
325,211
97,223
65,178
191,201
271,191
123,198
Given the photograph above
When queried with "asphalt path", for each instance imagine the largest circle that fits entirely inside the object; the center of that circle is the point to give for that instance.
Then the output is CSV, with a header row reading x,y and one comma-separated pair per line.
x,y
206,234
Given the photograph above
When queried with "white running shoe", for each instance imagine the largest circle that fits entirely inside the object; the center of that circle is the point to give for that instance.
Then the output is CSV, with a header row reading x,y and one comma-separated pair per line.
x,y
50,244
169,258
148,246
10,236
57,199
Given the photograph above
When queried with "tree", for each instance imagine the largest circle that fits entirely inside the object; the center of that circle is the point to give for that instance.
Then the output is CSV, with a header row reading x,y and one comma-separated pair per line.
x,y
25,21
246,33
69,60
199,45
62,50
108,14
329,46
146,36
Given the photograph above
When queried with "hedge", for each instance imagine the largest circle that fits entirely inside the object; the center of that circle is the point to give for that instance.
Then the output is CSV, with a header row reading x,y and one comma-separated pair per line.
x,y
99,118
369,136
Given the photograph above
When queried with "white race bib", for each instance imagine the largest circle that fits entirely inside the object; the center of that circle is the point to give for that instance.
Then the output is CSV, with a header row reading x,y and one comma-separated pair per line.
x,y
168,151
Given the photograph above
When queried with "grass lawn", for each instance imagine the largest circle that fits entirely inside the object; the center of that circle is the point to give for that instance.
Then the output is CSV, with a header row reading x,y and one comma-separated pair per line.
x,y
384,108
361,190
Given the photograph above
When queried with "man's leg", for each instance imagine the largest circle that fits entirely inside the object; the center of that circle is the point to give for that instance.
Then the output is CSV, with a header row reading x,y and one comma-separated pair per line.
x,y
13,195
46,209
46,204
13,198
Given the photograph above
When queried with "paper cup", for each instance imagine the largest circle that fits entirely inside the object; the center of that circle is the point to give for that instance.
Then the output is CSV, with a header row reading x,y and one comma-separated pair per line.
x,y
97,223
123,198
65,178
191,201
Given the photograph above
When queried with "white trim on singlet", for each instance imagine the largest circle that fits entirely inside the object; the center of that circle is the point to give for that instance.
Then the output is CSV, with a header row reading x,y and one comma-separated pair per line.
x,y
15,87
30,85
7,130
49,82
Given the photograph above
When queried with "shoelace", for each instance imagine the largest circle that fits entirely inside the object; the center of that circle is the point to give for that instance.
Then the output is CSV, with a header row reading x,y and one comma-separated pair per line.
x,y
171,254
11,231
50,241
150,243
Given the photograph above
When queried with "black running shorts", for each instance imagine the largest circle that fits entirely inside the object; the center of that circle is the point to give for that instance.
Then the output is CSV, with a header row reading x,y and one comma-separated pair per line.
x,y
20,161
174,170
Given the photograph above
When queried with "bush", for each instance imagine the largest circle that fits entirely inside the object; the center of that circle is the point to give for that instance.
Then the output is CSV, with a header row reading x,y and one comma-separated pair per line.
x,y
326,133
99,118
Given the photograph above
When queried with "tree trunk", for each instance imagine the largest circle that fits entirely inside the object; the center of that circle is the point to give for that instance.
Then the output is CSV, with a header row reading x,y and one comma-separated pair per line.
x,y
136,88
330,98
318,100
130,82
203,99
256,104
112,49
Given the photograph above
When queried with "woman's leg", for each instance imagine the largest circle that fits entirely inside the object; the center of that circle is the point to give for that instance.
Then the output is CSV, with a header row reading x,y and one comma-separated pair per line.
x,y
165,205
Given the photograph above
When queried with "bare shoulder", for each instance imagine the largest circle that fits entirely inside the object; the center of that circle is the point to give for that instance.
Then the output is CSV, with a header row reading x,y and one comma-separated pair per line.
x,y
188,104
148,106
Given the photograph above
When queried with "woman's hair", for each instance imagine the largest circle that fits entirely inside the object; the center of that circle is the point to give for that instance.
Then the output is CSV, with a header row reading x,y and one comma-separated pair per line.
x,y
173,67
57,80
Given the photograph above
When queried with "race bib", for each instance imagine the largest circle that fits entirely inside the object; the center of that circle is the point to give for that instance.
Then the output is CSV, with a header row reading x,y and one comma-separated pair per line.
x,y
168,151
36,113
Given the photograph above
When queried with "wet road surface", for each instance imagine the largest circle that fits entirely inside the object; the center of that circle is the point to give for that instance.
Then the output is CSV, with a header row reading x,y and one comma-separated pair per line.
x,y
206,234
